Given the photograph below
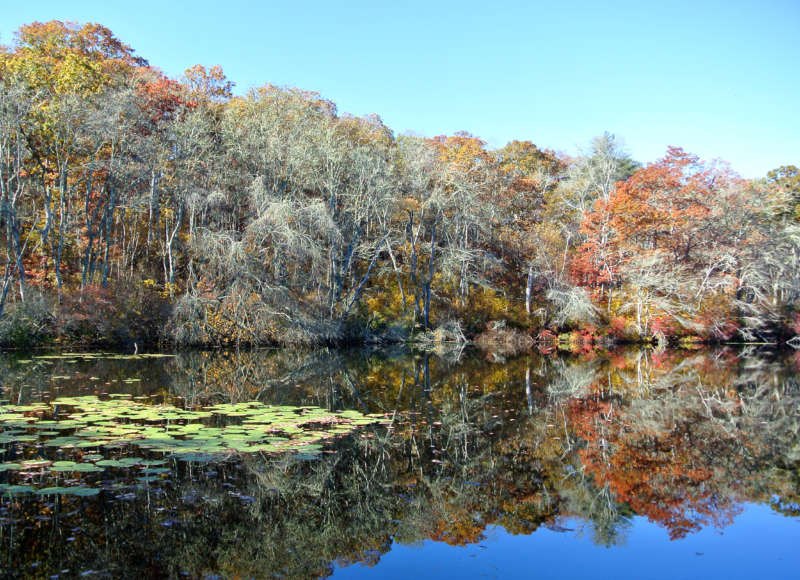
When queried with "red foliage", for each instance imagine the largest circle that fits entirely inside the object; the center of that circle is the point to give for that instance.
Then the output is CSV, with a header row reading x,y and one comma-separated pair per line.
x,y
88,315
546,335
718,324
617,325
795,326
663,325
662,207
162,97
588,333
654,471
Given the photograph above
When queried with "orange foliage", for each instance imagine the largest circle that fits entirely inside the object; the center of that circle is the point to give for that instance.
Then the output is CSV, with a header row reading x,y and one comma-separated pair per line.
x,y
653,470
662,207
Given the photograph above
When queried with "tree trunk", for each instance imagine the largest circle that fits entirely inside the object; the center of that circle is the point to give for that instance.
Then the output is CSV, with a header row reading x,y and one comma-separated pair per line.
x,y
429,281
529,290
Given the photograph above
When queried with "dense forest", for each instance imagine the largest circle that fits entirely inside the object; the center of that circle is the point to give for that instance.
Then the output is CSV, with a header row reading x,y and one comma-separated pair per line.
x,y
140,208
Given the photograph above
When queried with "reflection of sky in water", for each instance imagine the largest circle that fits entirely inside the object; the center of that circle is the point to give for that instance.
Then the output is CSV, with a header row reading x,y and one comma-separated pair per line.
x,y
471,444
760,544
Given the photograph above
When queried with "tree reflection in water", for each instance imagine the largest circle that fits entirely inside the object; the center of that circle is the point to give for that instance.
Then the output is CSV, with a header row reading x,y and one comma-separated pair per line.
x,y
680,438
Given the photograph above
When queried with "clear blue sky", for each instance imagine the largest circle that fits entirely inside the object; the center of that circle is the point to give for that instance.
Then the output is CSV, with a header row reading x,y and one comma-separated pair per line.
x,y
718,78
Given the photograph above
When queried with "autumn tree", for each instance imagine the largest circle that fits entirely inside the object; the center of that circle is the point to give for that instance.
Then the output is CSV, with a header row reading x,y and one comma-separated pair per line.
x,y
651,240
784,181
528,175
67,69
17,216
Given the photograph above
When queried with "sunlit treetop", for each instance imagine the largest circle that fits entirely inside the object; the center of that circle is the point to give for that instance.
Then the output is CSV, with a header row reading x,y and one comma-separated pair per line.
x,y
462,153
162,97
785,181
290,102
525,158
208,84
369,129
527,166
66,57
787,177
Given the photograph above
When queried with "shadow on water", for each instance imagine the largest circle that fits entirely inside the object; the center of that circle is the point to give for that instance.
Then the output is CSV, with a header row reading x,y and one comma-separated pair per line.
x,y
683,439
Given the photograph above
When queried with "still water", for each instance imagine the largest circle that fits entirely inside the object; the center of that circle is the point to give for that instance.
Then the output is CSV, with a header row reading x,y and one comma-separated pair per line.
x,y
284,464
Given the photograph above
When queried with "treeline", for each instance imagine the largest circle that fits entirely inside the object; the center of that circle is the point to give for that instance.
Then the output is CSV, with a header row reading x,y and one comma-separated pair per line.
x,y
139,208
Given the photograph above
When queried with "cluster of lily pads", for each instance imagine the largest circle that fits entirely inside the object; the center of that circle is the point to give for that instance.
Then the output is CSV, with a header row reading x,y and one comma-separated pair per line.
x,y
88,356
91,429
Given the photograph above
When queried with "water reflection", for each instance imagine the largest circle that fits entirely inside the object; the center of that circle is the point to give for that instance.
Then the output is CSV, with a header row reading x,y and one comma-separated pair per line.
x,y
683,439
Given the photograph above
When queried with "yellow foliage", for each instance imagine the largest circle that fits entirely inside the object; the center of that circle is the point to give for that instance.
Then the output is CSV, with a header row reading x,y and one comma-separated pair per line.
x,y
385,303
483,304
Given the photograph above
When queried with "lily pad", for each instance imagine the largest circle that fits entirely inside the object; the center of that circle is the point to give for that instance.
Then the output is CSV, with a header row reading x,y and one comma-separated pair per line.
x,y
156,470
14,489
87,468
52,490
33,464
81,491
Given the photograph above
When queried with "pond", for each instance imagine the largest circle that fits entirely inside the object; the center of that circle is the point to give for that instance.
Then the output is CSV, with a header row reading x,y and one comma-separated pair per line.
x,y
363,464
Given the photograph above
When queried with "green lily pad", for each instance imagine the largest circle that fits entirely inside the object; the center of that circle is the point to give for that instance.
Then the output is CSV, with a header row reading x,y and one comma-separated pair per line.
x,y
19,439
87,468
156,470
111,463
7,489
63,442
11,467
81,491
51,490
87,444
